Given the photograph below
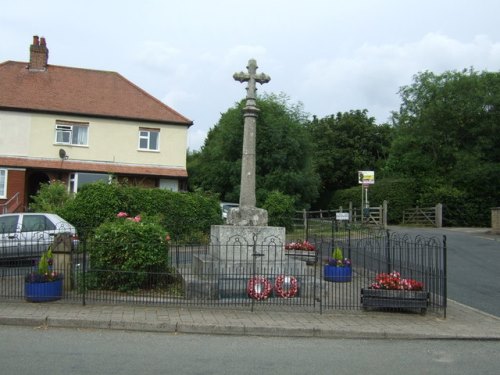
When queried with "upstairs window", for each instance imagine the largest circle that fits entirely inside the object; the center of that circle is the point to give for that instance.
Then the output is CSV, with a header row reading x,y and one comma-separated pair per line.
x,y
72,133
149,139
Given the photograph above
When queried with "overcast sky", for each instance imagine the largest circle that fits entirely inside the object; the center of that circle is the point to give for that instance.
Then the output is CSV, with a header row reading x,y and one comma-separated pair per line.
x,y
331,55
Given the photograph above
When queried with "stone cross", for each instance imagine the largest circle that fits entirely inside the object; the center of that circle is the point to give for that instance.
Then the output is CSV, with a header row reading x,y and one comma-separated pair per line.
x,y
251,77
247,188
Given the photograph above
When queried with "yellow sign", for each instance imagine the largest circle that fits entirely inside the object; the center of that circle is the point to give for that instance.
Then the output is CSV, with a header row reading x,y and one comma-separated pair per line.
x,y
366,177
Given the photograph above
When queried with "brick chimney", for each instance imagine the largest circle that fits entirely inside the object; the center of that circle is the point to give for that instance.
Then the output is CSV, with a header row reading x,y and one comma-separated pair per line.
x,y
39,54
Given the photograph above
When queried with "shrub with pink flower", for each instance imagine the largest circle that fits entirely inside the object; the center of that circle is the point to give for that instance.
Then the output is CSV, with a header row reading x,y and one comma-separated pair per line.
x,y
393,281
122,214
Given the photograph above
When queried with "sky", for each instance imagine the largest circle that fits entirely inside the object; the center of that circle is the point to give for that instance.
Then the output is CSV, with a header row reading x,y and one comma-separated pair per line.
x,y
329,55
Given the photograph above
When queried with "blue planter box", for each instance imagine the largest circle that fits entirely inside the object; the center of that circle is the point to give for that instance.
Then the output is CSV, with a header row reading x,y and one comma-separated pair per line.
x,y
43,292
337,274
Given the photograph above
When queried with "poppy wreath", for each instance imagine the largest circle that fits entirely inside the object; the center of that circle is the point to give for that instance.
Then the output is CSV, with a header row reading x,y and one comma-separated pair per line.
x,y
290,292
259,288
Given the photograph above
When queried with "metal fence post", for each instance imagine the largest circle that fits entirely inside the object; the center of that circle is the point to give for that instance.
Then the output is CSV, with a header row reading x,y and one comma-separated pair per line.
x,y
306,225
384,214
84,270
388,251
445,276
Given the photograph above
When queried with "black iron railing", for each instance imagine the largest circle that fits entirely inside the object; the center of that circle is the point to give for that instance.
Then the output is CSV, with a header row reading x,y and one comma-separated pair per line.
x,y
250,274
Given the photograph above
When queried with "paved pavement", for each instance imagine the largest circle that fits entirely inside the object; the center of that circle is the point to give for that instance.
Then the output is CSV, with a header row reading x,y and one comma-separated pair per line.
x,y
462,322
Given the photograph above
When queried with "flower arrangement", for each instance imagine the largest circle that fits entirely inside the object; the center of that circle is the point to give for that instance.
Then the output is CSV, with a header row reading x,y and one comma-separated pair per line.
x,y
338,260
44,272
122,214
393,281
300,245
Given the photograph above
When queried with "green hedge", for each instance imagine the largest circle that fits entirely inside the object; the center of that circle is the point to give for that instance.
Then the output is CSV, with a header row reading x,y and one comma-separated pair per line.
x,y
186,216
459,207
400,194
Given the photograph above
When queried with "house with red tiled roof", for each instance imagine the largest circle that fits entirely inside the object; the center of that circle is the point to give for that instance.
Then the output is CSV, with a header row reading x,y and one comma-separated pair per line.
x,y
81,125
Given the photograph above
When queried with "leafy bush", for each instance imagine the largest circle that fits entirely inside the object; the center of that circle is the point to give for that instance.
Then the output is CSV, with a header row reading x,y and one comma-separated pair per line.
x,y
125,251
400,194
51,197
93,205
280,209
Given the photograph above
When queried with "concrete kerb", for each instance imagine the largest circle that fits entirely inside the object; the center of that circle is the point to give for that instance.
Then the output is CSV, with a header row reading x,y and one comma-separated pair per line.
x,y
464,323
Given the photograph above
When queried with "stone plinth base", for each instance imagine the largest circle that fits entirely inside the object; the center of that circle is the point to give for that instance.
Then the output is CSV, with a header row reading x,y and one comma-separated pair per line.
x,y
208,267
196,287
238,253
235,242
247,216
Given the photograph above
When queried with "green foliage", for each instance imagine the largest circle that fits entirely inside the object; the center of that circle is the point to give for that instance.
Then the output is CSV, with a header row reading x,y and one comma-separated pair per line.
x,y
128,252
280,209
345,144
94,204
184,215
51,197
400,194
283,149
447,134
345,196
43,264
337,254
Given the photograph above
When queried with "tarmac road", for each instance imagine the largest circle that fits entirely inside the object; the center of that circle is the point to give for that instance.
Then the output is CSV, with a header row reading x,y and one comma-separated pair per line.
x,y
473,265
48,351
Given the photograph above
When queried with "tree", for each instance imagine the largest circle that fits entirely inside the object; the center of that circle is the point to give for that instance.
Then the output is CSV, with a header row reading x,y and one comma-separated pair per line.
x,y
447,133
345,144
283,160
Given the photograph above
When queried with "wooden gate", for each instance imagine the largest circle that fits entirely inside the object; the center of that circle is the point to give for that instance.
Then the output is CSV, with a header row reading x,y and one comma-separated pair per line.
x,y
424,216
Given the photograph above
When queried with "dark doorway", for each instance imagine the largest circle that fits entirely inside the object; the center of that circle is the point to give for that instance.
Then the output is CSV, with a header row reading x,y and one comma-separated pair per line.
x,y
34,180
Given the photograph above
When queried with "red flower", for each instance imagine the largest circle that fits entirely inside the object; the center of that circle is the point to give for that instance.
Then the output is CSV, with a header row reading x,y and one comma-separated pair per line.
x,y
300,245
393,281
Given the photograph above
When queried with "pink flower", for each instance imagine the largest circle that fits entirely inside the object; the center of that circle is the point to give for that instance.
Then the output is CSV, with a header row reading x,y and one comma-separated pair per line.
x,y
121,214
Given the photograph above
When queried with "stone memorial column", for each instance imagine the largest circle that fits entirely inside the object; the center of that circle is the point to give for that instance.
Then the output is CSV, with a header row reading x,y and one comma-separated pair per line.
x,y
248,213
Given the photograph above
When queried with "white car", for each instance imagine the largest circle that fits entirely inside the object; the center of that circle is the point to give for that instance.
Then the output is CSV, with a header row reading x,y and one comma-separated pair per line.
x,y
225,207
27,235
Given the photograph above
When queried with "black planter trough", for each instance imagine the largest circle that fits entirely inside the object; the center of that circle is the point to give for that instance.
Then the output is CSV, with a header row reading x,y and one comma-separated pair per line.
x,y
395,299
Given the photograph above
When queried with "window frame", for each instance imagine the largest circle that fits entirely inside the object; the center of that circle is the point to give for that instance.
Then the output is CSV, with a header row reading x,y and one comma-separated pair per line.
x,y
148,139
71,128
74,183
3,184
